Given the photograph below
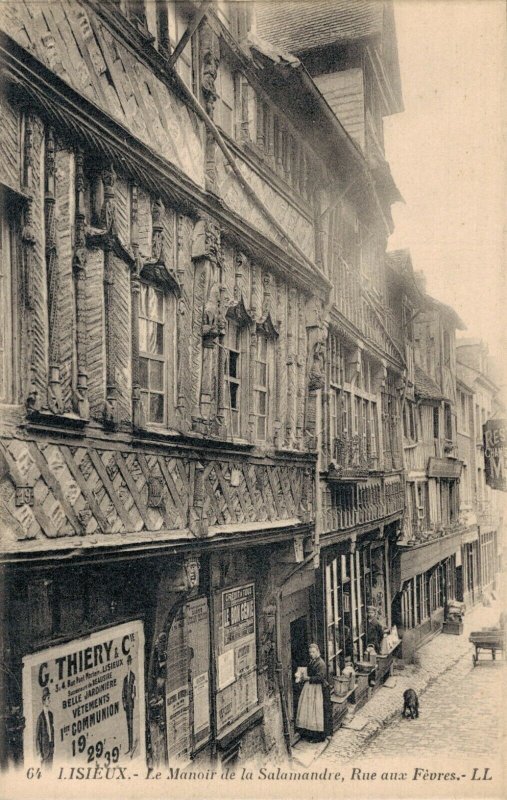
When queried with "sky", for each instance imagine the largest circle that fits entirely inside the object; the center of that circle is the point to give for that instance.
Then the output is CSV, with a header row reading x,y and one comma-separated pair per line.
x,y
447,153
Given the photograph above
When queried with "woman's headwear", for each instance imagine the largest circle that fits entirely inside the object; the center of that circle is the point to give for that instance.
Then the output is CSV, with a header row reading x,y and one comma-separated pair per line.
x,y
314,644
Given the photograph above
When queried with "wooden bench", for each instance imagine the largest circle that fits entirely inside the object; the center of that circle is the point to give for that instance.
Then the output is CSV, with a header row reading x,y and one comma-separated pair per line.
x,y
491,639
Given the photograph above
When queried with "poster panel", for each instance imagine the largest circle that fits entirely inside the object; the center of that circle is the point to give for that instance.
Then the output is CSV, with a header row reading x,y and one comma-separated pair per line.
x,y
238,614
188,725
237,672
83,701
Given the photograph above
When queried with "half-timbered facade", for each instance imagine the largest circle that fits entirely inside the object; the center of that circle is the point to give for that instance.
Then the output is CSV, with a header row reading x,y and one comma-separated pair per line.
x,y
351,56
429,551
160,355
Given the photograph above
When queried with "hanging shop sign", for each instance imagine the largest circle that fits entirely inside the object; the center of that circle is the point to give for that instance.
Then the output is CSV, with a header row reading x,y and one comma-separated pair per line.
x,y
444,468
237,656
494,438
83,701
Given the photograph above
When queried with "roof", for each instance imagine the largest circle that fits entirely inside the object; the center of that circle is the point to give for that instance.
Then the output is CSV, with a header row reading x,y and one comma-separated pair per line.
x,y
425,387
297,25
400,263
448,312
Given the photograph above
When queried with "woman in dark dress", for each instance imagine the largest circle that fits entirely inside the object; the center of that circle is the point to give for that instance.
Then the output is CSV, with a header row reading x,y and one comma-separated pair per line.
x,y
321,721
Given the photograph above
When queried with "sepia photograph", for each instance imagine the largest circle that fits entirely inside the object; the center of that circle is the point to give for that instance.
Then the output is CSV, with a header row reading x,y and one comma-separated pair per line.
x,y
253,400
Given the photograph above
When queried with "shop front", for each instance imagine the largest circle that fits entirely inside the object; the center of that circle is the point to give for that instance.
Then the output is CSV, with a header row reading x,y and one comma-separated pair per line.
x,y
488,558
468,575
355,607
429,580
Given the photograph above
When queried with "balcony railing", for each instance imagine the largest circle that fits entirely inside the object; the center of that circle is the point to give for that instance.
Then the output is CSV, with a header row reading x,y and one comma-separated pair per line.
x,y
347,505
419,531
351,458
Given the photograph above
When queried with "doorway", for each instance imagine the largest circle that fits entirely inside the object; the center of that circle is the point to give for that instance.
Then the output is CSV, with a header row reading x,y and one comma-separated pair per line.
x,y
299,654
296,633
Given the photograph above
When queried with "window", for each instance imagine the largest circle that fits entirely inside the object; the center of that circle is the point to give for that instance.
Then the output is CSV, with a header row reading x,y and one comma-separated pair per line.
x,y
372,434
8,321
448,421
447,349
436,423
334,617
155,352
233,376
178,20
478,432
224,108
263,370
409,423
136,13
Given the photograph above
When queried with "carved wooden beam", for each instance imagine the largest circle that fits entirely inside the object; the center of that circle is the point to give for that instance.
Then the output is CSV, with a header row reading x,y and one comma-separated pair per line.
x,y
290,426
210,60
138,417
80,398
54,399
108,222
33,400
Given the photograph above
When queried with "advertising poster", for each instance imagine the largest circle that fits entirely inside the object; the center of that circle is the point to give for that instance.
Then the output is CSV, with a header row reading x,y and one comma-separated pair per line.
x,y
237,674
178,725
84,701
238,614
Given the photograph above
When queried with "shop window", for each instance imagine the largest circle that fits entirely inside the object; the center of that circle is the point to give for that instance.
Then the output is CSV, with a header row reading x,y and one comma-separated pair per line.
x,y
422,609
156,353
9,242
334,618
234,376
347,607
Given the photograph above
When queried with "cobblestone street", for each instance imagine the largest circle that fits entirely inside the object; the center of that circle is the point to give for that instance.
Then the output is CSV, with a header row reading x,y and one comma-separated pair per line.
x,y
460,706
459,715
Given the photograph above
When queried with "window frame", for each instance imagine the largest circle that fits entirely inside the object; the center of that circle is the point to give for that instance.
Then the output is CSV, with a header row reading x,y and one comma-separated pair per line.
x,y
239,380
265,388
167,358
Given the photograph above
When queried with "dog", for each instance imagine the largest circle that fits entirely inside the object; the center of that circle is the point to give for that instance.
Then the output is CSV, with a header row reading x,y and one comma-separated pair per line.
x,y
410,704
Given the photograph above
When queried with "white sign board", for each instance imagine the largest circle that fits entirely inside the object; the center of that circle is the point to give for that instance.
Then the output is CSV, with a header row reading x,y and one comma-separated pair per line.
x,y
83,701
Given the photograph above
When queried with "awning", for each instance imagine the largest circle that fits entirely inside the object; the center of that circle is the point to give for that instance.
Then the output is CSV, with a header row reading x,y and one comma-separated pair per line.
x,y
417,559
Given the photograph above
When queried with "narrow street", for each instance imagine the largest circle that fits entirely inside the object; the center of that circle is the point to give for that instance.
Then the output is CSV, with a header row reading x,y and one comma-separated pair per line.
x,y
459,715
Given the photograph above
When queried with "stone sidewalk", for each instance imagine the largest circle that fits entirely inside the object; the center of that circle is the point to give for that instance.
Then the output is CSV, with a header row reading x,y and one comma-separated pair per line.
x,y
433,659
